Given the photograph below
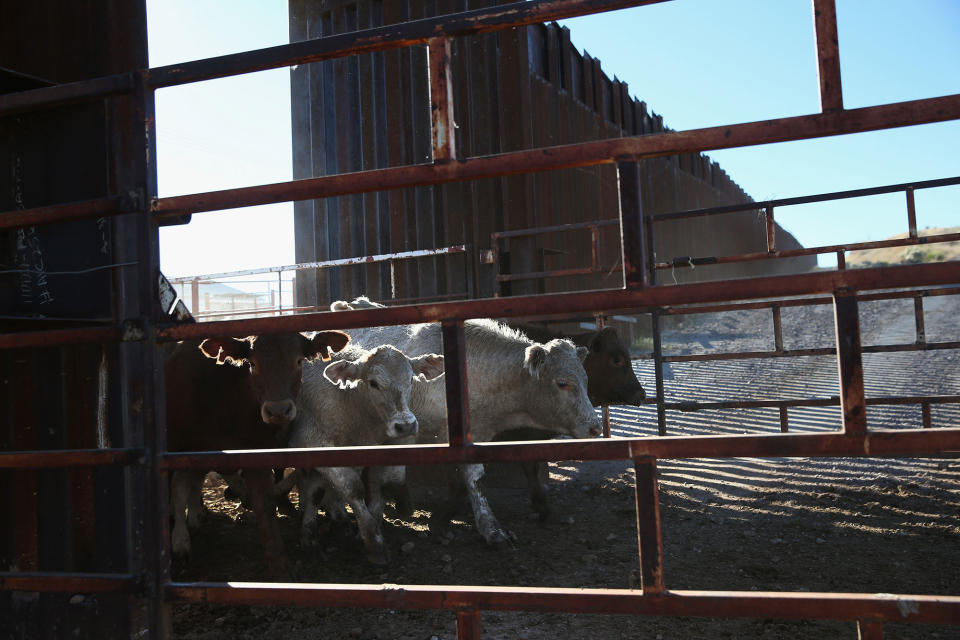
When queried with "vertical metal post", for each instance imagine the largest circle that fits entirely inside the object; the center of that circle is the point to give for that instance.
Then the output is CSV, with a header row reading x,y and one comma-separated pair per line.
x,y
468,625
658,372
605,409
927,419
771,232
784,420
869,629
828,55
279,293
455,375
777,329
631,225
850,363
911,212
195,296
443,125
918,319
649,535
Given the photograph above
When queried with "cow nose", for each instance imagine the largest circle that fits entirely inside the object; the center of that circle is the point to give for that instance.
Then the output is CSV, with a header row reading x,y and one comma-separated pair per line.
x,y
278,412
405,428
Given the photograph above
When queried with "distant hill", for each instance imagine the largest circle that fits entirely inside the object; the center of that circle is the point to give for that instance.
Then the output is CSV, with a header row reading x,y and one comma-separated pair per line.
x,y
936,252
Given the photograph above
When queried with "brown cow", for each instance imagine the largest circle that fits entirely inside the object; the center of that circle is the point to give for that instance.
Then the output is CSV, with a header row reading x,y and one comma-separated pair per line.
x,y
244,406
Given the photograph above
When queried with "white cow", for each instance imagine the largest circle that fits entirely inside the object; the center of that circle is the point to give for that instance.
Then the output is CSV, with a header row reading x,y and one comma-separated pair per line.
x,y
512,381
362,398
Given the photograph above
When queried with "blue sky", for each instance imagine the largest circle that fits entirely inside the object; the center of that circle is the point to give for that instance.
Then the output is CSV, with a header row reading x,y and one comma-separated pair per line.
x,y
697,63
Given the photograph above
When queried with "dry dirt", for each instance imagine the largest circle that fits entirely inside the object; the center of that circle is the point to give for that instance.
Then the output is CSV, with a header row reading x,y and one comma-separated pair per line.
x,y
864,525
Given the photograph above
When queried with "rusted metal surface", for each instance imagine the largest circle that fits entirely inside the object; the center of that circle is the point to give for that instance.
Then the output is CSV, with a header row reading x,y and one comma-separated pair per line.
x,y
828,54
749,604
91,209
850,364
649,534
571,156
468,625
875,442
27,459
52,581
133,172
808,199
64,94
456,383
391,36
808,251
584,302
634,254
441,101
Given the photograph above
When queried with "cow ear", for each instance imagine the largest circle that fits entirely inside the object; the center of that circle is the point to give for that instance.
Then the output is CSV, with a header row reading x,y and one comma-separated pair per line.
x,y
342,373
230,350
535,356
322,341
582,353
430,365
340,305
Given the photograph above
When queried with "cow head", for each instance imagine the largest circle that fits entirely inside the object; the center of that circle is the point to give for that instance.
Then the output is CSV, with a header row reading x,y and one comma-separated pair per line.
x,y
385,377
610,371
560,387
275,363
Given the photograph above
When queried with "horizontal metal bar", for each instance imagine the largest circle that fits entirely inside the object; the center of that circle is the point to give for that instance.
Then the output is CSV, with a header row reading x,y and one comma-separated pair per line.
x,y
85,210
807,301
575,226
392,36
832,401
929,274
878,442
60,337
825,351
68,582
744,604
383,257
822,197
565,156
572,155
69,458
65,94
556,273
808,251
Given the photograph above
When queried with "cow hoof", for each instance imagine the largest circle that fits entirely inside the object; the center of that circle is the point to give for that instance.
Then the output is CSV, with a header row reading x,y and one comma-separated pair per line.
x,y
545,513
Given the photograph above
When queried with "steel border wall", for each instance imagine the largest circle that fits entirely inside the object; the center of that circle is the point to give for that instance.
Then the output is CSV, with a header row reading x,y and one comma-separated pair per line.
x,y
153,587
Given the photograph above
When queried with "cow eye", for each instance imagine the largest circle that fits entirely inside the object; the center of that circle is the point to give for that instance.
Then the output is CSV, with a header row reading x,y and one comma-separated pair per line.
x,y
563,385
618,362
374,384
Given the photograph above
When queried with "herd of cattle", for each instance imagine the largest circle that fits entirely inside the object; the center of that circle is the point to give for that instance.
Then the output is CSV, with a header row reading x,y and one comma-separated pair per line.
x,y
377,386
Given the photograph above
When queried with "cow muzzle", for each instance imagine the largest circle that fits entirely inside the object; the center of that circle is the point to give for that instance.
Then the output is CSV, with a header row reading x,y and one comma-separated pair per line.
x,y
399,429
278,412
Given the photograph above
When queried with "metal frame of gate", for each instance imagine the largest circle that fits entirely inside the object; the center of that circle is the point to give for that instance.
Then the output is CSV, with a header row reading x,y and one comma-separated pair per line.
x,y
152,589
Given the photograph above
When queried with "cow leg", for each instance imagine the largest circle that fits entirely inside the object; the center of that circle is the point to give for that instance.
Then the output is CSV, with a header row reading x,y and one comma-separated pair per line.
x,y
182,484
260,486
347,483
309,483
537,489
486,522
456,498
394,485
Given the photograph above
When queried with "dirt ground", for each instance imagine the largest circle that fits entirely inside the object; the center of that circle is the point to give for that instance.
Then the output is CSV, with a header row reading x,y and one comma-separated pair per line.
x,y
864,525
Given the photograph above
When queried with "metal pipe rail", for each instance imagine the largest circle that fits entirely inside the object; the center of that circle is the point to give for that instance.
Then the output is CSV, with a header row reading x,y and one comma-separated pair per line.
x,y
854,439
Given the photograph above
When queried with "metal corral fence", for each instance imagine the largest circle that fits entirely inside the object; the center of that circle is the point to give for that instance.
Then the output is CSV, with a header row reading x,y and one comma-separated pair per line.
x,y
106,462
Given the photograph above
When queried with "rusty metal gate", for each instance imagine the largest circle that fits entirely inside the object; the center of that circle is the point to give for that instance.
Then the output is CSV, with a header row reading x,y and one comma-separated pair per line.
x,y
138,583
